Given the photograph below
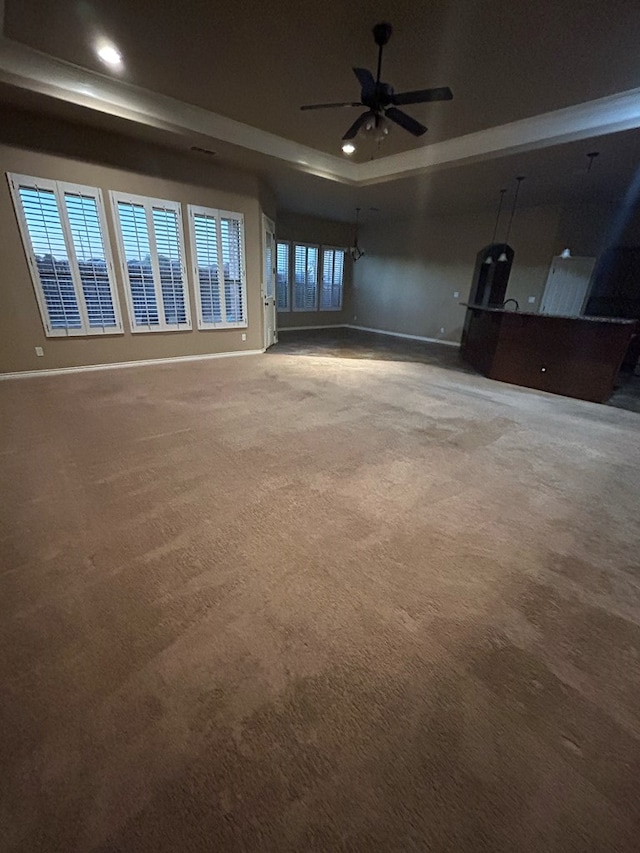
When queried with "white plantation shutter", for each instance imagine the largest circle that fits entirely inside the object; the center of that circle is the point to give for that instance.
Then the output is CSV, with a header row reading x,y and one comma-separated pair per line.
x,y
305,278
282,277
152,256
63,230
172,282
134,236
93,265
231,240
204,242
217,247
332,275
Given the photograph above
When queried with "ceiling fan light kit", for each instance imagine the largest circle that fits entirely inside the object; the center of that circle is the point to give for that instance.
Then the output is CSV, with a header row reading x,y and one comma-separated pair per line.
x,y
381,100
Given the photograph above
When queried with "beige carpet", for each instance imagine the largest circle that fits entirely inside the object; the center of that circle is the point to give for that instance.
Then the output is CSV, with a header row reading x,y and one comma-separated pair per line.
x,y
288,603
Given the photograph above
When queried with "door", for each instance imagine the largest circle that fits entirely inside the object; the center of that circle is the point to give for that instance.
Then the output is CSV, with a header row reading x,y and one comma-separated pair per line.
x,y
567,286
269,282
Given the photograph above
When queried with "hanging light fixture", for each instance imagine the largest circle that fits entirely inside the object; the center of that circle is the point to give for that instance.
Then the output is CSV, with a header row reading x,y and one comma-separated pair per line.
x,y
489,260
355,251
592,155
565,254
503,255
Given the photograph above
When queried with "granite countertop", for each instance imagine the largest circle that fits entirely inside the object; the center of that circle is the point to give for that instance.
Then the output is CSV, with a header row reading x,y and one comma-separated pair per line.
x,y
550,316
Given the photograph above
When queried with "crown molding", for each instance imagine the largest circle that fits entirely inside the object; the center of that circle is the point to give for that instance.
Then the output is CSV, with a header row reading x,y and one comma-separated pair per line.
x,y
29,69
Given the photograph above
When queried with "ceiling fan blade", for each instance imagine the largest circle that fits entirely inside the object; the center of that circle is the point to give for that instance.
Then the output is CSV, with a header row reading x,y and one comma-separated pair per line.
x,y
405,121
355,127
328,106
423,96
365,78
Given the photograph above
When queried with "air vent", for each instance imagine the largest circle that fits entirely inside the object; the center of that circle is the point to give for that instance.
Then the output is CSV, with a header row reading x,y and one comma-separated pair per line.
x,y
200,150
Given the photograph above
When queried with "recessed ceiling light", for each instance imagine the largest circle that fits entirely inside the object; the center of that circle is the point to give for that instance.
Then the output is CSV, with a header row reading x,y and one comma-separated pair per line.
x,y
348,147
110,55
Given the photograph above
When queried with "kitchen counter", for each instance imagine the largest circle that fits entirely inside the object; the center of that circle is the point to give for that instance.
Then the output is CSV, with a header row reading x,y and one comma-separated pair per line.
x,y
574,356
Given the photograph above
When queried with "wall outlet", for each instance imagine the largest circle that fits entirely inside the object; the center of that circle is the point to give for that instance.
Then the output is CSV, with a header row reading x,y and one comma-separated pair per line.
x,y
244,336
531,300
456,294
355,316
39,351
442,330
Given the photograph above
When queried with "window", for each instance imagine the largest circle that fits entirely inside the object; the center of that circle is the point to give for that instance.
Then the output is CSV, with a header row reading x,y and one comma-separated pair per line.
x,y
332,272
64,234
282,277
151,248
299,269
217,247
305,277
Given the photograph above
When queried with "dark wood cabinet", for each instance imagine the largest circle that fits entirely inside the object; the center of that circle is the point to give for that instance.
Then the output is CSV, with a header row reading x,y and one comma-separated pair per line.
x,y
574,356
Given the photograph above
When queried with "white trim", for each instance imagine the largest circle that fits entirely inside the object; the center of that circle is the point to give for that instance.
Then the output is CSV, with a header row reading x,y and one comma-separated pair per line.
x,y
117,365
29,69
268,283
36,71
402,335
375,331
308,328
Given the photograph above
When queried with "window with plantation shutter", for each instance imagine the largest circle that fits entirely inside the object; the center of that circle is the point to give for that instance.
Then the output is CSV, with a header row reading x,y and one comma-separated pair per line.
x,y
305,277
64,234
151,246
218,260
332,273
282,277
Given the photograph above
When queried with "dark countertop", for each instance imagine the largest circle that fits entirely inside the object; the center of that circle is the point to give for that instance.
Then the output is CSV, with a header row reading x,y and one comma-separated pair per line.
x,y
550,316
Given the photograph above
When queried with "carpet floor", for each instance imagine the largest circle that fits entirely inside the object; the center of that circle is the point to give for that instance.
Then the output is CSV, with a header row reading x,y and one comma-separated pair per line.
x,y
289,603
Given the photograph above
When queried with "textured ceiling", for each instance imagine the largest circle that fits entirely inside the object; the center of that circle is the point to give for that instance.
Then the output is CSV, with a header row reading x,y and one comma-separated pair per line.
x,y
256,62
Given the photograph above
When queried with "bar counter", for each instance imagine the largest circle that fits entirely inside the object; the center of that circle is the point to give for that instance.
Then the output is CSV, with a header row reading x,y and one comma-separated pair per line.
x,y
574,356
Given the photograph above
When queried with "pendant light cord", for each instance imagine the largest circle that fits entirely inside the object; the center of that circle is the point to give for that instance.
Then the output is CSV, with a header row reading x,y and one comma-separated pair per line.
x,y
495,230
519,179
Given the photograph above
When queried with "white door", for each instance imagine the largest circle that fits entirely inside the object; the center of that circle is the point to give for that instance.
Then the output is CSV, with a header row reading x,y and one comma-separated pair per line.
x,y
567,286
269,282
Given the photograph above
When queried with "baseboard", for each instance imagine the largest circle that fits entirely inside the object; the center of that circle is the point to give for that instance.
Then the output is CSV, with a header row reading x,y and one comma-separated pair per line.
x,y
309,328
402,335
116,365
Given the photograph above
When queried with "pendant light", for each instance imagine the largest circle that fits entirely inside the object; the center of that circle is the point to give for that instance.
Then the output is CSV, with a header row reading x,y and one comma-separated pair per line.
x,y
355,251
489,259
503,256
565,254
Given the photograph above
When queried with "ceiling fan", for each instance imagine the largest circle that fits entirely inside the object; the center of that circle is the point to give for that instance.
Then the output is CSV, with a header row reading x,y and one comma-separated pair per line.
x,y
380,98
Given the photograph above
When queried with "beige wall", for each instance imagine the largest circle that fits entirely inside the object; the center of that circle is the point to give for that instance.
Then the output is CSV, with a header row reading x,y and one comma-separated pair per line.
x,y
146,170
309,229
412,267
586,229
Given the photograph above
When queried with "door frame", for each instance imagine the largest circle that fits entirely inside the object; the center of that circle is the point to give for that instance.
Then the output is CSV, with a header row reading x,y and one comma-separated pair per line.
x,y
268,284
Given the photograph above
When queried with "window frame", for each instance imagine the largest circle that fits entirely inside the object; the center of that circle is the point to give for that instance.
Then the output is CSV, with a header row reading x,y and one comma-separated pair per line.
x,y
59,189
148,203
291,244
218,214
344,251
